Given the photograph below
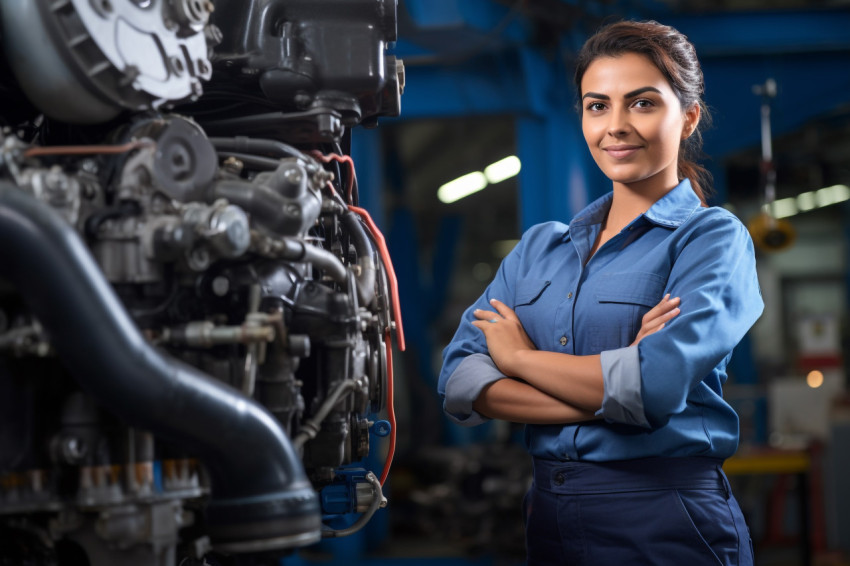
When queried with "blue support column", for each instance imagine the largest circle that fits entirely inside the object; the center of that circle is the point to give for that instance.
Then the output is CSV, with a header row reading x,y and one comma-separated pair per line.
x,y
368,156
558,176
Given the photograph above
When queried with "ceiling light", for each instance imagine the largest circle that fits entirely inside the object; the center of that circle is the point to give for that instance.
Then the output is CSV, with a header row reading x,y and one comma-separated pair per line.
x,y
806,201
462,187
784,208
503,169
840,193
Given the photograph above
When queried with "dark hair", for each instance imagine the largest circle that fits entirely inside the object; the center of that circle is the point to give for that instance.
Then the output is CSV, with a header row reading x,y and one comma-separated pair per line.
x,y
676,58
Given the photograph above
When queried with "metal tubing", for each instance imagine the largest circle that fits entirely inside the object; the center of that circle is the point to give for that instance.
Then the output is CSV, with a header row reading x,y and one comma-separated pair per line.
x,y
245,145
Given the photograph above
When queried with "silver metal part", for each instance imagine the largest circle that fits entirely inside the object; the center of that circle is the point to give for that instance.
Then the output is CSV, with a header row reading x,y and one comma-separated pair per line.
x,y
123,55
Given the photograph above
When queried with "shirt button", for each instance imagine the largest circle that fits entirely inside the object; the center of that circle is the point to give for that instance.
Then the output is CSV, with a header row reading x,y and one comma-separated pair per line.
x,y
558,479
570,295
564,340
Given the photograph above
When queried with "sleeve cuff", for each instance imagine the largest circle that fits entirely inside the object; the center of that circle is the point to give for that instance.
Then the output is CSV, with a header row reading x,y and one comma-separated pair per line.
x,y
465,384
622,402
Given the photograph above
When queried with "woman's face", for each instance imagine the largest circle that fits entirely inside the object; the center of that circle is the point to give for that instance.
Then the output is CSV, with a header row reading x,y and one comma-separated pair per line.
x,y
633,122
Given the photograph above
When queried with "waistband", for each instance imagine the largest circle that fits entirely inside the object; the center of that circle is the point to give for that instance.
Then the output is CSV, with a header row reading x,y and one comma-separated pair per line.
x,y
650,474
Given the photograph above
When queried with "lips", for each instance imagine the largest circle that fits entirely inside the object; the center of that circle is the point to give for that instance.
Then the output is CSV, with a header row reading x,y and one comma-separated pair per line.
x,y
621,151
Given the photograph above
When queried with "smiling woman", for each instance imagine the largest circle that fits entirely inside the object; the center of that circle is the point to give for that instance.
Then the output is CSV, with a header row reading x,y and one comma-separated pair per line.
x,y
633,123
577,335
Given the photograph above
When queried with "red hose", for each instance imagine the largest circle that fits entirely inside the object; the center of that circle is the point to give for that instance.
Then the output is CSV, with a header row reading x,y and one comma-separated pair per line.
x,y
393,282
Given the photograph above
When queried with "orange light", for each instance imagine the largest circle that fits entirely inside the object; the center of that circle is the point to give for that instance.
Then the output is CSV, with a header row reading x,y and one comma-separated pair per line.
x,y
814,379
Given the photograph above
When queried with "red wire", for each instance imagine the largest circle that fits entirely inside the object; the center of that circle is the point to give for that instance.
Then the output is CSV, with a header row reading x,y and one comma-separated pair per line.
x,y
395,302
385,257
341,159
390,410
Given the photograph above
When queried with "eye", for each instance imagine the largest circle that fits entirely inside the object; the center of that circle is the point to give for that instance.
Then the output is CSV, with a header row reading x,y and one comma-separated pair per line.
x,y
643,103
595,107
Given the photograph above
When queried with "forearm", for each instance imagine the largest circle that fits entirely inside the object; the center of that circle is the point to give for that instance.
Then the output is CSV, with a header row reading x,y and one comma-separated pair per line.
x,y
515,401
574,380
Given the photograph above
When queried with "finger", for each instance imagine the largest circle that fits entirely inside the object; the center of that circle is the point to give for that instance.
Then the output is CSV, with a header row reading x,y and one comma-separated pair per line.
x,y
503,309
653,330
668,316
485,315
661,309
662,318
664,305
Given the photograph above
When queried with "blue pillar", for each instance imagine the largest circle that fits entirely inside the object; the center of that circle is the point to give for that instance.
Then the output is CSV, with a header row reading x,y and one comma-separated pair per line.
x,y
558,176
367,153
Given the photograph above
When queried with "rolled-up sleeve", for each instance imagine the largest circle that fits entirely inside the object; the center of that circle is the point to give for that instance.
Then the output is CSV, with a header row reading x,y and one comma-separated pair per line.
x,y
715,277
622,401
467,366
464,386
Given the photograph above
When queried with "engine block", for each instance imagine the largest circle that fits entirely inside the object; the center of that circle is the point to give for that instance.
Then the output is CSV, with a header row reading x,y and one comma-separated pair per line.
x,y
196,316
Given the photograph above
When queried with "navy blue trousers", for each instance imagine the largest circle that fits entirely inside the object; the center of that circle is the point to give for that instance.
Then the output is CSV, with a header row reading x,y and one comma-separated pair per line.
x,y
658,511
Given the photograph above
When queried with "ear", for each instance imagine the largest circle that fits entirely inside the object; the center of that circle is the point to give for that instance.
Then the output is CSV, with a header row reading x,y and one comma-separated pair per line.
x,y
691,121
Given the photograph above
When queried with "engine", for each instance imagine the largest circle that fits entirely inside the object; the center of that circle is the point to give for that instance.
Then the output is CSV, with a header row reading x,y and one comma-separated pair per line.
x,y
196,316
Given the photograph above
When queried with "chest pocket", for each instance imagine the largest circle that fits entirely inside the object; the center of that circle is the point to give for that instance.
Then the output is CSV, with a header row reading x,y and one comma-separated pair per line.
x,y
622,299
529,290
530,309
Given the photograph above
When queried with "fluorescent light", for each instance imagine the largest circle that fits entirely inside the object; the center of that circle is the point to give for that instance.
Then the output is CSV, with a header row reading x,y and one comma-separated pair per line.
x,y
783,208
503,169
806,201
840,193
474,182
461,187
825,196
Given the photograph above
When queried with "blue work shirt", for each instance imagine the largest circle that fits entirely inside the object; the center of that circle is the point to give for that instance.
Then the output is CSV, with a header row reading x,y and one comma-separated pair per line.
x,y
662,397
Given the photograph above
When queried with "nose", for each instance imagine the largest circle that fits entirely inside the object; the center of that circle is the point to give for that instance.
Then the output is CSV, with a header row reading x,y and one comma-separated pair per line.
x,y
618,124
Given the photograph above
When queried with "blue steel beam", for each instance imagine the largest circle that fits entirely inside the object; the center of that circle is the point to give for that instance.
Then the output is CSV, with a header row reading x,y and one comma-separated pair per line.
x,y
765,33
808,54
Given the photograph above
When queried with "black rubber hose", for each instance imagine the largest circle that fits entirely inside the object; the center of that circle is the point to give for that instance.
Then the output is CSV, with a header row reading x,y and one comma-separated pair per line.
x,y
241,144
260,493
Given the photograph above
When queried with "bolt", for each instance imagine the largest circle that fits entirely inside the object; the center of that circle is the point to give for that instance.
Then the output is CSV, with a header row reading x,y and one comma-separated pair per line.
x,y
220,286
74,449
176,65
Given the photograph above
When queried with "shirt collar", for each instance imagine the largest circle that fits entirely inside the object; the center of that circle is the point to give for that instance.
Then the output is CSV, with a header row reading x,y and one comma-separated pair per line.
x,y
671,210
675,207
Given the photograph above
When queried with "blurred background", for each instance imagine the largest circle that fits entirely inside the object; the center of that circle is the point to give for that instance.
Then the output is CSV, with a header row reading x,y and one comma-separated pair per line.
x,y
488,98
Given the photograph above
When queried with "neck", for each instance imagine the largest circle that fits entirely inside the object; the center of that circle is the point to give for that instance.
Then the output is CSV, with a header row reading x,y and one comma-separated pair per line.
x,y
633,199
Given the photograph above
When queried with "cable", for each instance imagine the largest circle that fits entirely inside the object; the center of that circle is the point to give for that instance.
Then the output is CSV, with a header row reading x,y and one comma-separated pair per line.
x,y
340,159
85,149
378,237
378,501
385,257
390,409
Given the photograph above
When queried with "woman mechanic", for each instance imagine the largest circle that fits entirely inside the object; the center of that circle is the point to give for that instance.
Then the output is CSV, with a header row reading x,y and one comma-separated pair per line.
x,y
577,337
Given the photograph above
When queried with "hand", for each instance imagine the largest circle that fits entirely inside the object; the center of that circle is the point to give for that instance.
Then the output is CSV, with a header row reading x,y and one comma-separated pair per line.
x,y
655,319
504,334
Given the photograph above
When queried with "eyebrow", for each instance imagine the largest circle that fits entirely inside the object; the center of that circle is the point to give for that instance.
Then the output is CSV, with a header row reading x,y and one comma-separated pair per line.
x,y
631,94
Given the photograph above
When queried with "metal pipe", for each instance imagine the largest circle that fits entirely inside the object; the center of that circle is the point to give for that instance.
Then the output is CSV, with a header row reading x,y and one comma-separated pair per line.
x,y
365,258
260,493
241,144
311,428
